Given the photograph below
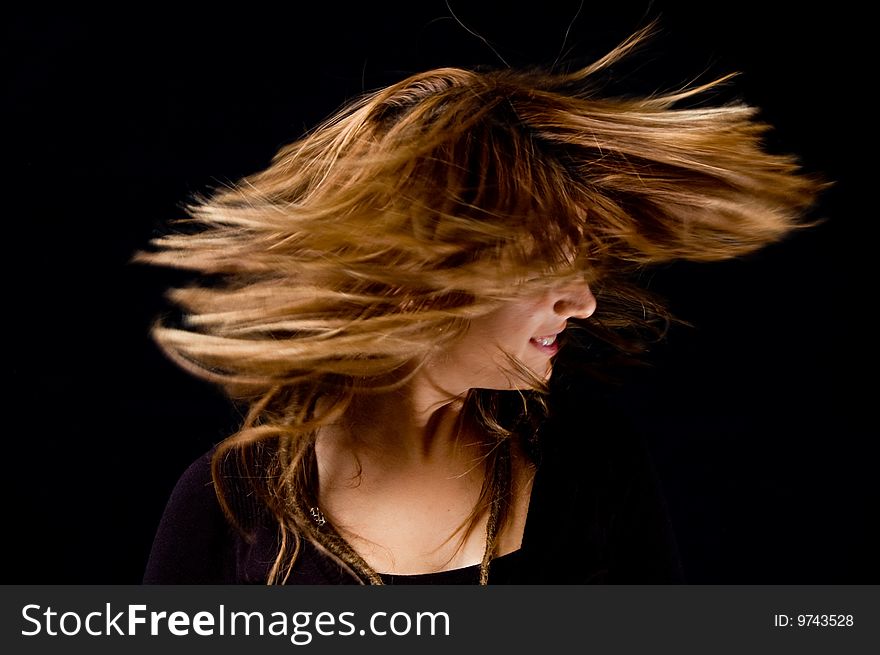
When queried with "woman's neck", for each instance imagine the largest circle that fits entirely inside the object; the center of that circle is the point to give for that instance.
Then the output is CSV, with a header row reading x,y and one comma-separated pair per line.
x,y
400,474
413,425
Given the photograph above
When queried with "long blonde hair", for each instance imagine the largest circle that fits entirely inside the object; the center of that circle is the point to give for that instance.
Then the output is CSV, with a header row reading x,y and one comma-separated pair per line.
x,y
370,242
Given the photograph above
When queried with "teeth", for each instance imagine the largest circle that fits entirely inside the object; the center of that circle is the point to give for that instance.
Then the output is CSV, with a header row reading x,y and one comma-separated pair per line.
x,y
545,341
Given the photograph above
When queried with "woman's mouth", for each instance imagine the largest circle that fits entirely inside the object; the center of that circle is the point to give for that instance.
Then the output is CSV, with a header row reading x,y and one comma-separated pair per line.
x,y
547,345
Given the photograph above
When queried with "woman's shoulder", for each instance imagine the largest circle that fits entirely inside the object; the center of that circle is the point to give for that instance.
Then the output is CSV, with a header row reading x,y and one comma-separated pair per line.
x,y
600,467
195,542
196,483
190,531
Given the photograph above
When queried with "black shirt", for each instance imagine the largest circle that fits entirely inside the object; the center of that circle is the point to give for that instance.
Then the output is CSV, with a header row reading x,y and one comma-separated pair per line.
x,y
596,516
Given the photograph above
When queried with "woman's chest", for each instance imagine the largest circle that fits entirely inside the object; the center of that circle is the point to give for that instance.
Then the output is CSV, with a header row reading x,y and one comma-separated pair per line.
x,y
424,521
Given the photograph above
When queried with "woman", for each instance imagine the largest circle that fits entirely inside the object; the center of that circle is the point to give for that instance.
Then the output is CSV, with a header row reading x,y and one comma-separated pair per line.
x,y
390,298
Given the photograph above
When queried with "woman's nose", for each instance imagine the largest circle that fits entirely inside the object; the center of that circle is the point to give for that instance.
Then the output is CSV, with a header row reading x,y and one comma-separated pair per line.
x,y
575,301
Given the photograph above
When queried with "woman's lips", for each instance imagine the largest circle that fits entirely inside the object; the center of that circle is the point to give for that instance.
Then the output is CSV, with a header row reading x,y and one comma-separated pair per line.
x,y
548,345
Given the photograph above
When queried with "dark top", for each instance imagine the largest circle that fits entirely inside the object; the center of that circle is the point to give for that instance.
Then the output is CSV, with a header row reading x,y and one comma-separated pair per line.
x,y
596,516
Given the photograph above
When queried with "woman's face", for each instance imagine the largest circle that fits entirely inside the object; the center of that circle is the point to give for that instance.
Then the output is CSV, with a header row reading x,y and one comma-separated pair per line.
x,y
525,328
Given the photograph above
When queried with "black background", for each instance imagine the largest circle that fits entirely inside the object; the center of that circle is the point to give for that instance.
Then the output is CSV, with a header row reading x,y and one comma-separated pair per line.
x,y
760,417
